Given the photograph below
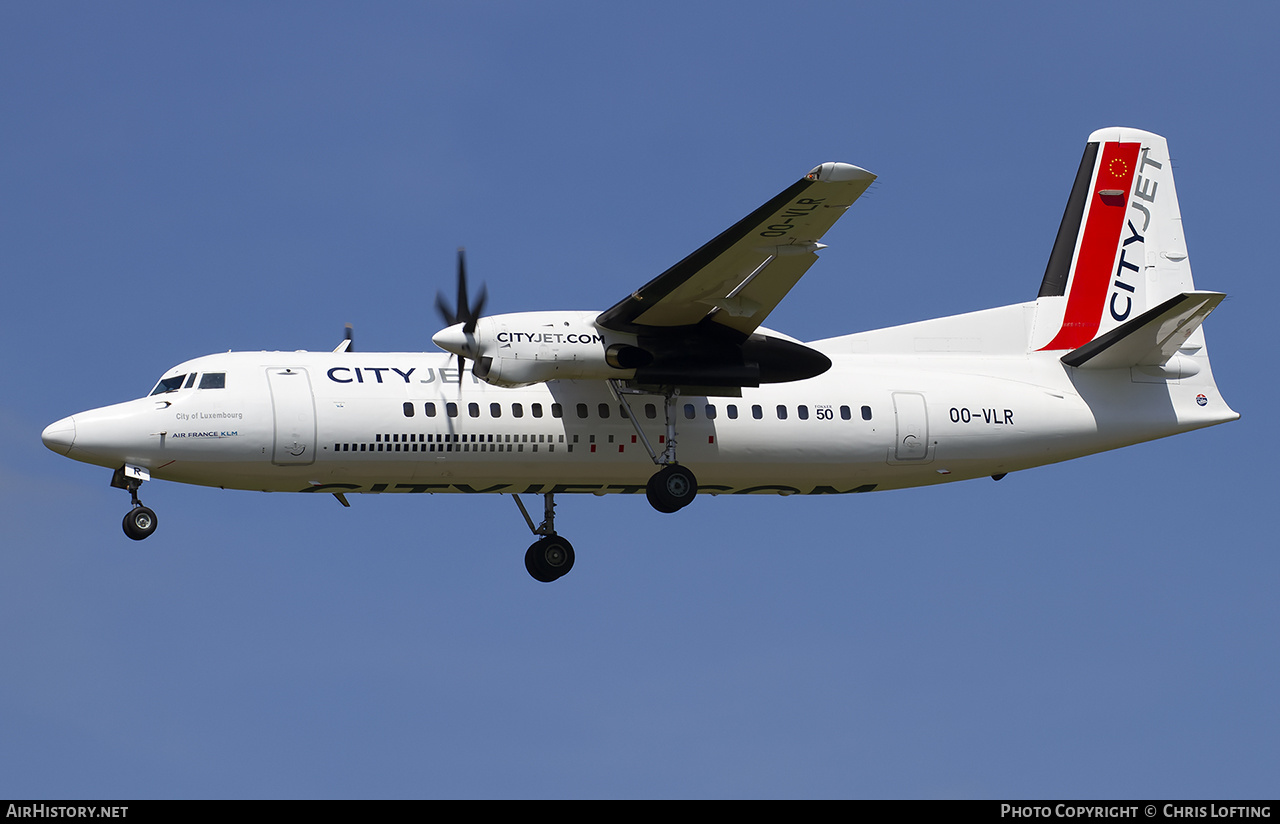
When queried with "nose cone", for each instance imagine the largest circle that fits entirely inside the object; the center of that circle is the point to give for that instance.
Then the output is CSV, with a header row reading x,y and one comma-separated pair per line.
x,y
60,435
454,340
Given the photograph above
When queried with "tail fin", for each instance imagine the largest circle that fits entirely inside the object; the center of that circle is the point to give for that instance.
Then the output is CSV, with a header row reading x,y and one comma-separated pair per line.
x,y
1120,250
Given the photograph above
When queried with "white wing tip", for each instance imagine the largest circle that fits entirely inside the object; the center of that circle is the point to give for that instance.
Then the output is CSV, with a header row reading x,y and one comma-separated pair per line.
x,y
839,173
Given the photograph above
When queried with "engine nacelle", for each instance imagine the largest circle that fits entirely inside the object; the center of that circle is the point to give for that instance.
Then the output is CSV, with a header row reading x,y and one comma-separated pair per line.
x,y
531,347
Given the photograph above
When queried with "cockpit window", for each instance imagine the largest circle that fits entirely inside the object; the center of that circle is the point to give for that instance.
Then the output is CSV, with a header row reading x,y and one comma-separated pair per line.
x,y
169,385
213,380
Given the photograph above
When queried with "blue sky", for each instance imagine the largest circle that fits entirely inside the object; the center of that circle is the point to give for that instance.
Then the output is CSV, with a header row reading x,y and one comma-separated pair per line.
x,y
181,179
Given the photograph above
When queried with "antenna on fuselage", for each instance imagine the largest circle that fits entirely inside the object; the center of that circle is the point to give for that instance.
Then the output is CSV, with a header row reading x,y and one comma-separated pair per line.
x,y
348,341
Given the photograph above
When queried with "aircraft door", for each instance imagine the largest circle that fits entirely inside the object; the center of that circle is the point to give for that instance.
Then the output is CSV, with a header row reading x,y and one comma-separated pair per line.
x,y
295,416
912,426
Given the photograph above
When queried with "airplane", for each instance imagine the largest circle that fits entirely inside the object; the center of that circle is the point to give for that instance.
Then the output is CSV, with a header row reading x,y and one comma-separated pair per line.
x,y
680,377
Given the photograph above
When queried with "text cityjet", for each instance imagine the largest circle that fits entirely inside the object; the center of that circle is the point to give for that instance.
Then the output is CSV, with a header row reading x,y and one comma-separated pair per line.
x,y
367,374
547,337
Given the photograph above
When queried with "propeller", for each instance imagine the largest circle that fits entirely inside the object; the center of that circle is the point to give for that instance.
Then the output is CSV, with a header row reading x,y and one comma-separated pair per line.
x,y
463,313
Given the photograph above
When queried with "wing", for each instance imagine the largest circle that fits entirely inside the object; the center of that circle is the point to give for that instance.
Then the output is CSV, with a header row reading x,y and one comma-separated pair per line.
x,y
735,280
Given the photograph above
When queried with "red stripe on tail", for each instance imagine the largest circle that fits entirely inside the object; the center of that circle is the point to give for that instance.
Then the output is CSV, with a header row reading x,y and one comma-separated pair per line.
x,y
1098,246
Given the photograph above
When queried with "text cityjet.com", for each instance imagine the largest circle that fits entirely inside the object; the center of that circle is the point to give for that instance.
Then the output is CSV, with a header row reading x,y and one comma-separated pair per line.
x,y
1135,811
63,811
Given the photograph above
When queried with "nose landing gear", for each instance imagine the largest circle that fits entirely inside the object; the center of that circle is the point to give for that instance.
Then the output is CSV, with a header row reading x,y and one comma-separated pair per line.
x,y
140,521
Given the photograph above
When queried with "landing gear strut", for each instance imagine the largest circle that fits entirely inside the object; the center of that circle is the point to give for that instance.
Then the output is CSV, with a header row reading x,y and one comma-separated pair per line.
x,y
673,487
140,521
551,556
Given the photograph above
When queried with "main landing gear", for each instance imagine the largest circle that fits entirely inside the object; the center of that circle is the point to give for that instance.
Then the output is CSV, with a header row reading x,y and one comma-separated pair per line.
x,y
670,489
551,556
673,487
140,521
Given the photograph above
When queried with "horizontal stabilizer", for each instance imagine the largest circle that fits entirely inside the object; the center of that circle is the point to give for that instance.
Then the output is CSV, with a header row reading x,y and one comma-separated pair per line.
x,y
1150,339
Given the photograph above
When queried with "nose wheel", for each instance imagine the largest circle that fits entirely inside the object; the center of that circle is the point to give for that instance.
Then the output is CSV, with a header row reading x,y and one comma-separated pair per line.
x,y
140,521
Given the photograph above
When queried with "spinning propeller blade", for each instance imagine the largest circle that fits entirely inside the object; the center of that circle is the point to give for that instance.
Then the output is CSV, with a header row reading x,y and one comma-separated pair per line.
x,y
463,312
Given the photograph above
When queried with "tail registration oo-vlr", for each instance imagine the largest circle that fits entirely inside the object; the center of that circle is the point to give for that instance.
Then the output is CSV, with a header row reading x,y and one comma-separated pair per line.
x,y
678,389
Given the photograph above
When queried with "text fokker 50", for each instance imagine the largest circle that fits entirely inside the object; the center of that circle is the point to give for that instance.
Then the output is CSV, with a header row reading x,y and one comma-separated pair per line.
x,y
681,375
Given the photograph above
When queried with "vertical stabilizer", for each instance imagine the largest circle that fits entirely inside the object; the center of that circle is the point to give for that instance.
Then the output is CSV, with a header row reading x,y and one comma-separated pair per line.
x,y
1120,249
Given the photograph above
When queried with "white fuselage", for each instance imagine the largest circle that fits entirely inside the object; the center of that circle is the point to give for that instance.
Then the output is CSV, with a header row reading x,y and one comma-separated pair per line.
x,y
342,422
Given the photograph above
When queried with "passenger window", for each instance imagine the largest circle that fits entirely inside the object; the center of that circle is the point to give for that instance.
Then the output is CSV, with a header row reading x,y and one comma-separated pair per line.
x,y
711,411
757,411
802,412
495,410
866,413
213,380
604,410
732,411
452,409
430,409
582,410
535,409
408,409
782,412
473,409
557,411
650,411
688,411
845,413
